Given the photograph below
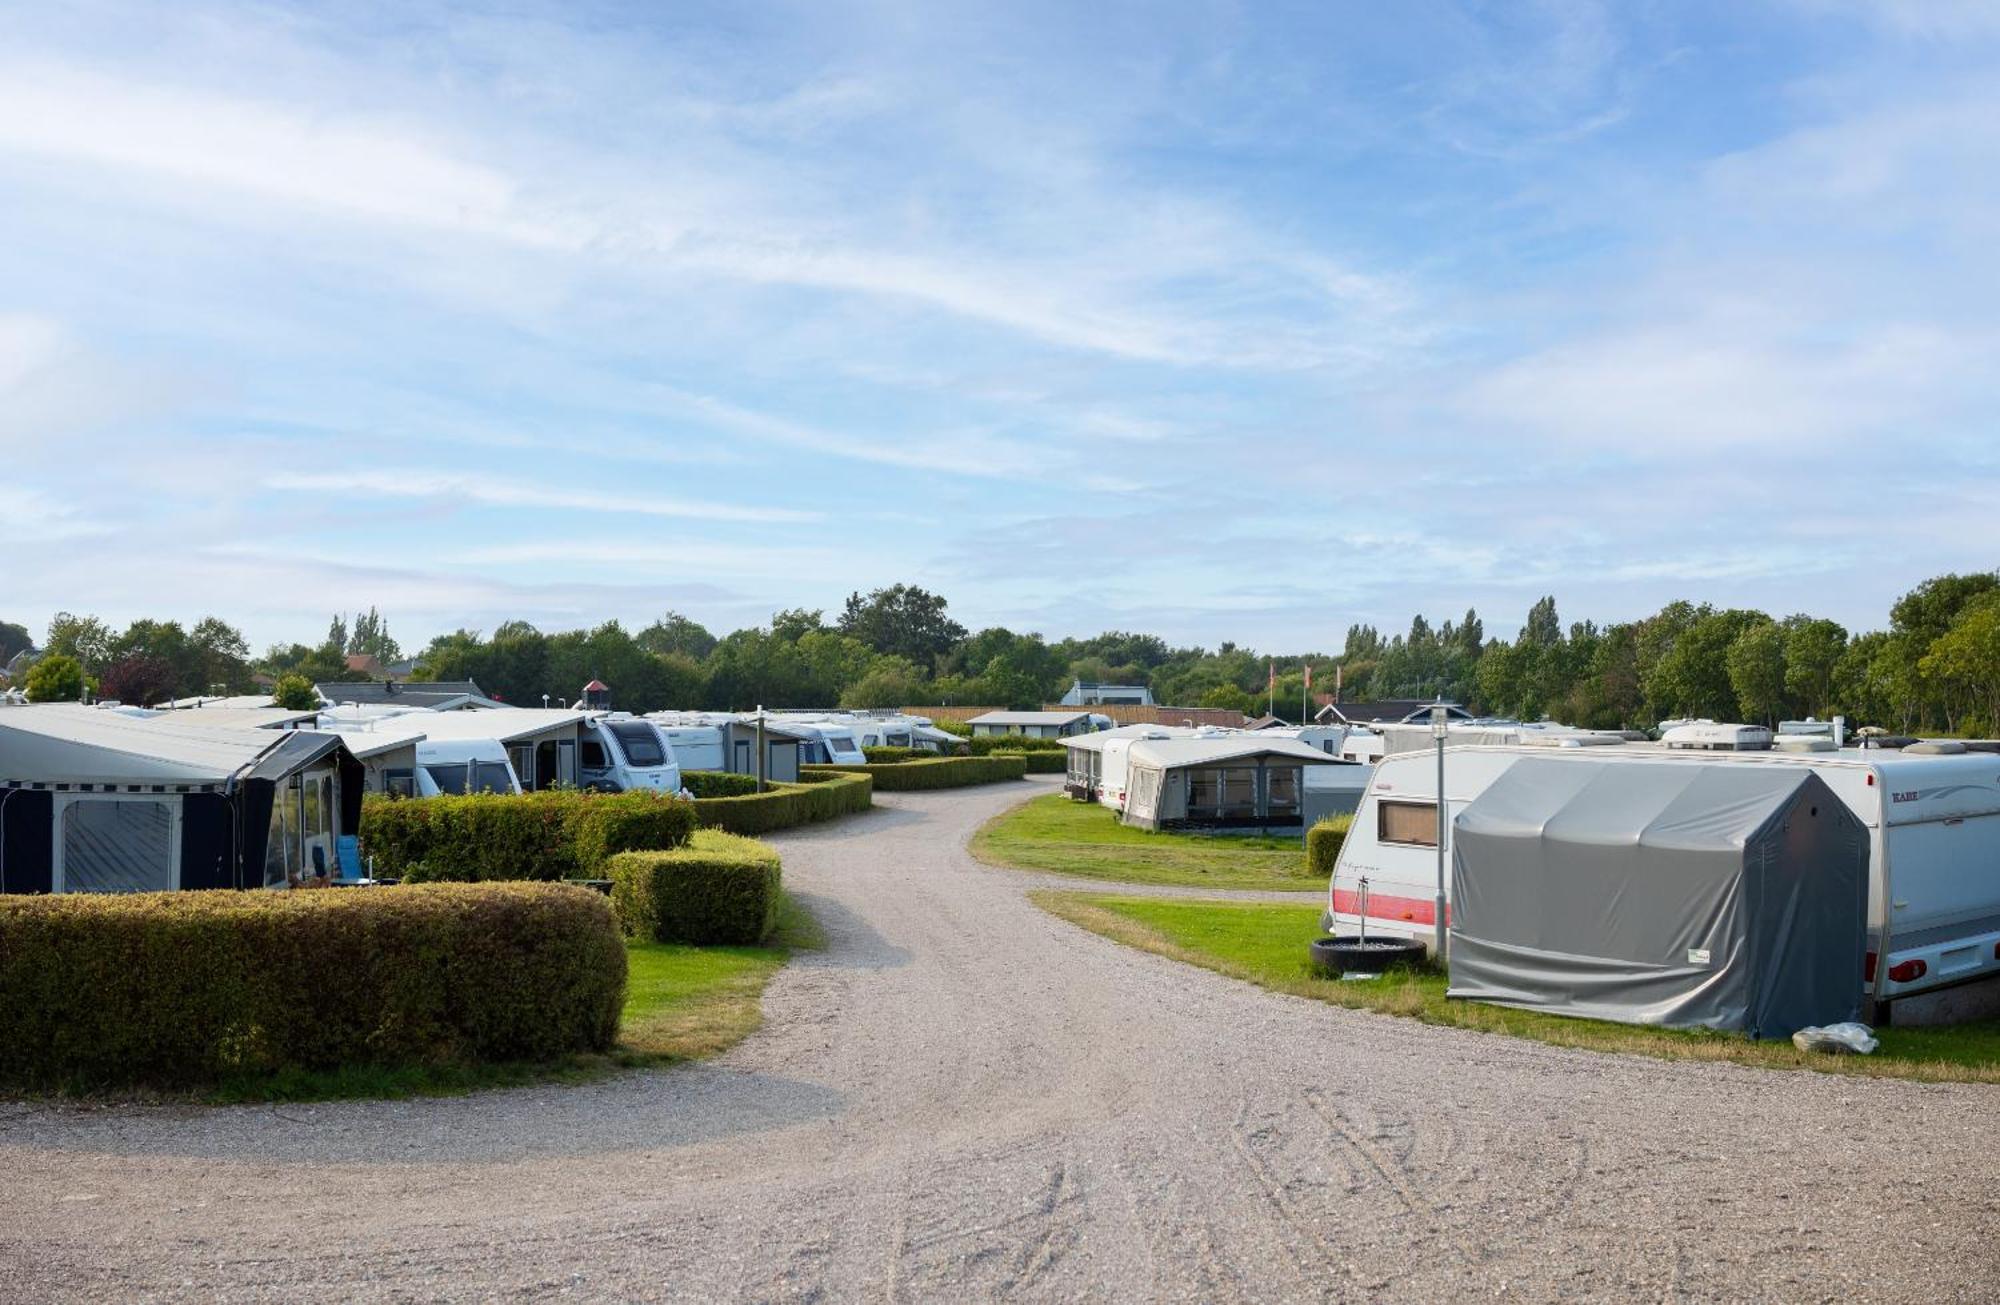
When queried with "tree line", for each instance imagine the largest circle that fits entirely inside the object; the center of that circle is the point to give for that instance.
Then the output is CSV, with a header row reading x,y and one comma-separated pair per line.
x,y
1935,668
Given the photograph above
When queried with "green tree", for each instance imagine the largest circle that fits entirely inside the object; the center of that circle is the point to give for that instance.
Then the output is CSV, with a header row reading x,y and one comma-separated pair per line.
x,y
83,637
674,633
1756,665
1692,677
13,639
890,682
295,693
55,677
1813,649
1966,658
902,621
221,657
370,636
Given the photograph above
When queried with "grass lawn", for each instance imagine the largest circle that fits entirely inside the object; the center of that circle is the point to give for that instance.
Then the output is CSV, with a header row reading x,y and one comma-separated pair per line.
x,y
1265,943
681,1003
1082,838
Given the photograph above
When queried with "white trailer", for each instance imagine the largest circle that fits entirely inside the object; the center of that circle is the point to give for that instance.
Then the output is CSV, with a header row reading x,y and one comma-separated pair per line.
x,y
460,766
1934,848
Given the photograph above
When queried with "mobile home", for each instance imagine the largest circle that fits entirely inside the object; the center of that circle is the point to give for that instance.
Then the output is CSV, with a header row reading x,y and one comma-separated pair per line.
x,y
1232,783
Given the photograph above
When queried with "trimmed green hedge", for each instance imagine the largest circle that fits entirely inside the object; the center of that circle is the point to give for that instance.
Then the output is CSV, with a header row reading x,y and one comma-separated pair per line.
x,y
937,772
173,988
718,783
814,798
988,744
718,889
888,756
560,834
1043,762
1323,842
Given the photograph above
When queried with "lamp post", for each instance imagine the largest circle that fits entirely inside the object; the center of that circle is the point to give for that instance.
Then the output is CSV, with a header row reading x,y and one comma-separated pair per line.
x,y
1439,719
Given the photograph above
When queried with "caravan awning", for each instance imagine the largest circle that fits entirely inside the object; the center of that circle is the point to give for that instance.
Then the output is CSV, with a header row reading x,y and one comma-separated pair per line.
x,y
49,744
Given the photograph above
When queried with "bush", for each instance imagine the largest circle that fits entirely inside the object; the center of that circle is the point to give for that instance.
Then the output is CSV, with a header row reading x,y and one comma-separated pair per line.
x,y
814,798
886,756
1323,843
295,693
937,772
718,889
171,988
1042,762
988,744
560,834
718,783
55,678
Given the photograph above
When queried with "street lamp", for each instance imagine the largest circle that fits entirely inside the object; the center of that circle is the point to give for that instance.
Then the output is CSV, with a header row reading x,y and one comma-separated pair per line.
x,y
1439,728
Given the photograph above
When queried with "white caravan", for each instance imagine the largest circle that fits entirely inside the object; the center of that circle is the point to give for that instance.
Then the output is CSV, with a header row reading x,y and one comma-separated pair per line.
x,y
622,753
696,747
461,766
826,743
1933,819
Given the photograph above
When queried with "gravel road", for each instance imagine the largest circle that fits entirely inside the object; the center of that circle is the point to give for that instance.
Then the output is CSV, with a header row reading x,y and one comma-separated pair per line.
x,y
962,1097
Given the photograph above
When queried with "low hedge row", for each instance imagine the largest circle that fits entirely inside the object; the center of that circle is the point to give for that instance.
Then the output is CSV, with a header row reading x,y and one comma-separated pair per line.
x,y
1043,762
988,744
187,987
814,798
560,834
889,756
1323,842
718,889
937,772
718,783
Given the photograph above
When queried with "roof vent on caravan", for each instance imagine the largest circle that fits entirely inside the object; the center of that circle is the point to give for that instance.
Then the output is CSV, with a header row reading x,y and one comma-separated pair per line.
x,y
1804,743
596,696
1936,748
1707,736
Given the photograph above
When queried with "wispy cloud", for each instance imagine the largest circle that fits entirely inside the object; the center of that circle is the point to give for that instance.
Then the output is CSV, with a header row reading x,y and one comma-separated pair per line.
x,y
452,487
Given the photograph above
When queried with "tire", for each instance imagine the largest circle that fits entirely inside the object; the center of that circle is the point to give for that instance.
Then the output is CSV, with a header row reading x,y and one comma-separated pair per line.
x,y
1349,954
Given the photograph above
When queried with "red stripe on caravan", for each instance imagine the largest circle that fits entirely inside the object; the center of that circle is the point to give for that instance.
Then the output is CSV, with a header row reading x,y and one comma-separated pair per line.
x,y
1383,906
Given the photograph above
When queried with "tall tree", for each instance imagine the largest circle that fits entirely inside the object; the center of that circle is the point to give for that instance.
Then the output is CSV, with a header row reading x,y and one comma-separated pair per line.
x,y
674,633
1756,666
83,637
14,639
902,621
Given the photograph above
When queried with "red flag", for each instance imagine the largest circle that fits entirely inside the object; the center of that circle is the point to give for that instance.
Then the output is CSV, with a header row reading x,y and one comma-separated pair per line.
x,y
1309,675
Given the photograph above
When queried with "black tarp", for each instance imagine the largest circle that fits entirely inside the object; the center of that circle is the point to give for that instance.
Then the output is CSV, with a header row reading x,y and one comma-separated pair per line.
x,y
1723,896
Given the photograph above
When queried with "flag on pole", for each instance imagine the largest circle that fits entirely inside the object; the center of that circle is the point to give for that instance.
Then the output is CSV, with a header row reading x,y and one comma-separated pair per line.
x,y
1309,675
1273,665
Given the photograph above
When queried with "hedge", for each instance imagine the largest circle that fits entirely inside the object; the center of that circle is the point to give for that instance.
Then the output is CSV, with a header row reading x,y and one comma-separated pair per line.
x,y
1323,842
718,889
1043,762
814,798
560,834
889,756
937,772
718,783
173,988
987,744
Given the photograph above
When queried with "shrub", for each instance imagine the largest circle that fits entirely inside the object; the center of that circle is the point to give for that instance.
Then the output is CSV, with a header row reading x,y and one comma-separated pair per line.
x,y
718,889
295,693
1042,762
718,783
987,744
937,772
182,987
560,834
887,756
1323,842
816,797
55,678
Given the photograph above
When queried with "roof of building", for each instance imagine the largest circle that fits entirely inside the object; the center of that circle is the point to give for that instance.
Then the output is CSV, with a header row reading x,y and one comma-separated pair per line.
x,y
441,695
1387,711
1096,739
55,743
507,724
365,742
1268,723
261,717
1212,750
1029,718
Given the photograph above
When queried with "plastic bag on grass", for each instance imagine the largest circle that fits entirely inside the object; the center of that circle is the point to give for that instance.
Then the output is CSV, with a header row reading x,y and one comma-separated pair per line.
x,y
1838,1039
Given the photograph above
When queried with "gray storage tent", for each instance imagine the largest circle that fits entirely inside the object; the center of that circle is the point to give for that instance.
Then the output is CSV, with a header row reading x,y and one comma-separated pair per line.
x,y
1690,896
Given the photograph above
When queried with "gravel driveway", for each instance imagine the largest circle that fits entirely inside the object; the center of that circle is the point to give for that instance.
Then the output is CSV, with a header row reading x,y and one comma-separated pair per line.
x,y
962,1097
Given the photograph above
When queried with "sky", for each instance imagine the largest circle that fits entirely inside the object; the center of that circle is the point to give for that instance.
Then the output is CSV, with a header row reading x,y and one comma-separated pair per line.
x,y
1223,321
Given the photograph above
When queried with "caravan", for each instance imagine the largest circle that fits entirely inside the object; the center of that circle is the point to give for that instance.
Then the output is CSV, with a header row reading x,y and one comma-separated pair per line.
x,y
1933,820
620,753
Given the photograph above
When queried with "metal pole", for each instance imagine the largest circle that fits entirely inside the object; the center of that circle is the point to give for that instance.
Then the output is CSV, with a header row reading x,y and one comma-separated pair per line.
x,y
763,748
1440,726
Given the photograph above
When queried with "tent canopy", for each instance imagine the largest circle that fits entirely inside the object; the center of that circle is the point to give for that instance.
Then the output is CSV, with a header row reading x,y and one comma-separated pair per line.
x,y
1715,896
68,744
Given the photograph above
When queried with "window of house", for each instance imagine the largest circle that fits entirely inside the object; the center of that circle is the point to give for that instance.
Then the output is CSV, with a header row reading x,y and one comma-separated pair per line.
x,y
1414,824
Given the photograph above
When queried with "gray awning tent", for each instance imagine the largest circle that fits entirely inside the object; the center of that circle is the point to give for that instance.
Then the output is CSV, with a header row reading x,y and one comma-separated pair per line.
x,y
1689,896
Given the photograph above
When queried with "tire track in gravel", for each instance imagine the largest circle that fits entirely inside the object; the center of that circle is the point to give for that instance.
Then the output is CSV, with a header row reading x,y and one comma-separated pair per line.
x,y
962,1096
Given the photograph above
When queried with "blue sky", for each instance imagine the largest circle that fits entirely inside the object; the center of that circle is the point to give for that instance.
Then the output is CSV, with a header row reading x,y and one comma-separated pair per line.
x,y
1224,321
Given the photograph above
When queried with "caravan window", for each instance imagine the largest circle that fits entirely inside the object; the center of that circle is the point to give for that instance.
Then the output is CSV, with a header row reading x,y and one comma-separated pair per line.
x,y
1284,795
593,756
401,782
491,777
1411,823
639,743
118,845
283,858
448,776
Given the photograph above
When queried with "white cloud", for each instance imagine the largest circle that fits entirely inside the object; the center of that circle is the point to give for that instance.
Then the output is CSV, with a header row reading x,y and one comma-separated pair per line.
x,y
493,491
